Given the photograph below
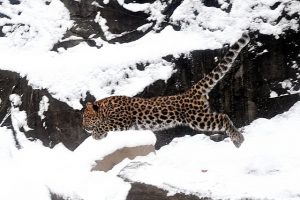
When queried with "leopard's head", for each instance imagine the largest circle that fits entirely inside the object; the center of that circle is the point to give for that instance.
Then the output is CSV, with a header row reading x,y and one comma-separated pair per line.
x,y
90,117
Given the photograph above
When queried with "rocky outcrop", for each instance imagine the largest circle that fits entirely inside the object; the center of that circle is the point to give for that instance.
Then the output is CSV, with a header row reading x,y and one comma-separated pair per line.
x,y
61,122
110,160
122,23
265,67
143,191
148,192
244,94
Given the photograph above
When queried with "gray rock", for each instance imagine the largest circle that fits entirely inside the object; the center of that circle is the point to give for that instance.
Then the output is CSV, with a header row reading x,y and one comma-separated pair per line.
x,y
62,123
143,191
110,160
244,94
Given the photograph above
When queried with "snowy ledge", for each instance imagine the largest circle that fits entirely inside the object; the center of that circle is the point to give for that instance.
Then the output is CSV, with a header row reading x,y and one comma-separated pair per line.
x,y
265,167
31,28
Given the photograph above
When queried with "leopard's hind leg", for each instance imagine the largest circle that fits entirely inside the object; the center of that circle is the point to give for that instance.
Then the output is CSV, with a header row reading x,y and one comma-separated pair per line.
x,y
216,122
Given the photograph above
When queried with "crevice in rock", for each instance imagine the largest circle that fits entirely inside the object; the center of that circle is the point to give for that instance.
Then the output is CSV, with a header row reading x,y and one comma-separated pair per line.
x,y
143,191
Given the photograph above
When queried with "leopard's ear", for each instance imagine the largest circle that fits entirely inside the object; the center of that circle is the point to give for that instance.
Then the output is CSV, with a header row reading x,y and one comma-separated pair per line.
x,y
89,105
96,107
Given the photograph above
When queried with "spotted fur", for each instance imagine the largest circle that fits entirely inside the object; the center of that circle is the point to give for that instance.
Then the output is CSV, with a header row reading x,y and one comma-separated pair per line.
x,y
189,109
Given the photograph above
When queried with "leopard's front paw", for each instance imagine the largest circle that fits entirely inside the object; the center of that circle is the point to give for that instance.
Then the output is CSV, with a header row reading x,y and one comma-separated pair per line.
x,y
95,136
99,136
238,139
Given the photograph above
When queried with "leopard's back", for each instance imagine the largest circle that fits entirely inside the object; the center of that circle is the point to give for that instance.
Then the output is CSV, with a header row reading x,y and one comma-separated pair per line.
x,y
158,113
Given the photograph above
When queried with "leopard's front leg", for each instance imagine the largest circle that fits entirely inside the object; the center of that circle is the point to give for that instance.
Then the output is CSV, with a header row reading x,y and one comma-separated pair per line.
x,y
100,131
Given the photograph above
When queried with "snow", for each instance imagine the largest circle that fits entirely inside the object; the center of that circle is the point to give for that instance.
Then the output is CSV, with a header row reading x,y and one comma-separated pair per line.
x,y
18,118
34,170
92,150
7,145
33,24
265,167
32,28
15,99
273,94
136,7
43,107
256,15
286,84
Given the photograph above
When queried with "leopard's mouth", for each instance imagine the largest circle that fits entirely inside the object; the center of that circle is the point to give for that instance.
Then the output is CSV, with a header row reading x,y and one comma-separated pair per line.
x,y
88,130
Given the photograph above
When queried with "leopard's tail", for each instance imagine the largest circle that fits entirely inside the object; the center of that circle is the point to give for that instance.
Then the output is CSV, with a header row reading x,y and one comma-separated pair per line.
x,y
211,79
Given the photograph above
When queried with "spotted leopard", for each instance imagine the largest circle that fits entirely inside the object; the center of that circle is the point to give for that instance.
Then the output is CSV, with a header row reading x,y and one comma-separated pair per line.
x,y
188,109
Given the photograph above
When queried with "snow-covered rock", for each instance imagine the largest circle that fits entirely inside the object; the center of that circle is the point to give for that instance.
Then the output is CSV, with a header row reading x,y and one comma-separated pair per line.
x,y
56,55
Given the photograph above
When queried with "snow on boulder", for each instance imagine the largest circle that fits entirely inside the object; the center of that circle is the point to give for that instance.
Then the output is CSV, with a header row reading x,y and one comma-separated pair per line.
x,y
114,158
104,154
265,167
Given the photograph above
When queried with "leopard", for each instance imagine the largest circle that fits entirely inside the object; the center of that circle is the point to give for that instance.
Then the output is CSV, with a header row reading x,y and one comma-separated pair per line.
x,y
190,108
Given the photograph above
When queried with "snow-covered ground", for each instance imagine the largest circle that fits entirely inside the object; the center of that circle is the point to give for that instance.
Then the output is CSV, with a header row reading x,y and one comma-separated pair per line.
x,y
266,166
34,171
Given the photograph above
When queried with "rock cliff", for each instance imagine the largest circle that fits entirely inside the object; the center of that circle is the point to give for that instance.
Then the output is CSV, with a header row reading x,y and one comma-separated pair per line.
x,y
262,84
244,94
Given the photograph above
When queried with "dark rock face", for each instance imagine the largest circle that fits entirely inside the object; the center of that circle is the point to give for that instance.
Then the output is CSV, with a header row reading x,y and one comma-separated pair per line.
x,y
121,22
244,93
148,192
114,158
140,191
118,19
61,123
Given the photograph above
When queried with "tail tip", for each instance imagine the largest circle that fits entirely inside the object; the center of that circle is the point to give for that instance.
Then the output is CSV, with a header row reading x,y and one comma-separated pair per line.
x,y
245,35
244,39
